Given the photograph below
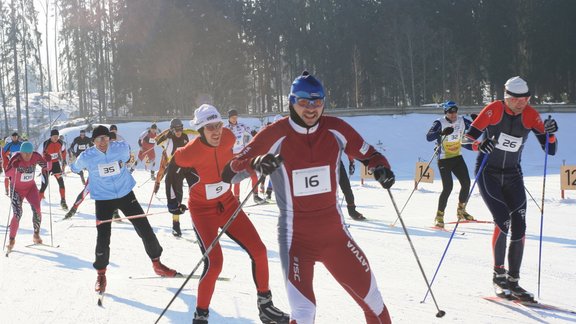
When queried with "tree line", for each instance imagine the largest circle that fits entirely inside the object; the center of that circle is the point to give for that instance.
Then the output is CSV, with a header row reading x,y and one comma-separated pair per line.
x,y
165,57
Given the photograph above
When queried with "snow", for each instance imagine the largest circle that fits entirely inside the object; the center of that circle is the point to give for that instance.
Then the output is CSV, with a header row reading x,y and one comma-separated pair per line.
x,y
55,285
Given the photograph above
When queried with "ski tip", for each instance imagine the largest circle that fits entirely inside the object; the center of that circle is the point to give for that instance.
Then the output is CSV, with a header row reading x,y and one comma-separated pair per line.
x,y
440,313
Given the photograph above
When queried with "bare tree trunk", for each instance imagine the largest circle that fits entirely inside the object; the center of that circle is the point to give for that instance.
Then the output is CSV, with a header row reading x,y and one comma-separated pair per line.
x,y
56,45
14,42
47,49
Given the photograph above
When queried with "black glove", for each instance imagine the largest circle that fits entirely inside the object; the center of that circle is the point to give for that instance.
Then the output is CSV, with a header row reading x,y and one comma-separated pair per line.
x,y
266,164
473,116
487,145
351,168
177,208
447,131
550,126
385,176
156,187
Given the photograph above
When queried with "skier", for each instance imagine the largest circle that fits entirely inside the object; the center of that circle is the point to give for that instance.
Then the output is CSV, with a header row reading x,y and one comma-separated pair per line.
x,y
9,149
170,140
85,191
505,125
21,169
242,134
54,151
448,131
311,224
344,184
79,145
111,185
211,205
146,142
114,129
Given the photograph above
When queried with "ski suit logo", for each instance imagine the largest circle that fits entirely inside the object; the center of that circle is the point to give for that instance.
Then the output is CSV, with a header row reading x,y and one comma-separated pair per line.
x,y
359,256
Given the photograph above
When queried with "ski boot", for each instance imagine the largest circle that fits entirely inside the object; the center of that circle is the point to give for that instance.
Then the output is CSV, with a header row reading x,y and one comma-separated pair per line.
x,y
200,316
10,245
70,213
268,194
162,270
500,282
355,214
63,204
36,238
439,220
462,213
267,312
258,200
152,176
101,281
176,229
518,292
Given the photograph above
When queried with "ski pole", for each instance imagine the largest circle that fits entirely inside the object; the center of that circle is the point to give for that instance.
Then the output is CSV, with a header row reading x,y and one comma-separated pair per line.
x,y
480,169
534,200
214,242
440,313
150,202
98,222
436,151
542,209
13,187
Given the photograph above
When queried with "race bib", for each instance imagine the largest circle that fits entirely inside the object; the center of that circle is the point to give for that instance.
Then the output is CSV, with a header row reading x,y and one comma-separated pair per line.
x,y
108,169
151,140
54,156
82,147
215,190
27,177
311,181
509,143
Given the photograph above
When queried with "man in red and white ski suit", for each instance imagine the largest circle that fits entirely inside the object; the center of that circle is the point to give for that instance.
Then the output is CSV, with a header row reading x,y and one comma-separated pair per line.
x,y
54,150
211,205
147,142
311,224
21,169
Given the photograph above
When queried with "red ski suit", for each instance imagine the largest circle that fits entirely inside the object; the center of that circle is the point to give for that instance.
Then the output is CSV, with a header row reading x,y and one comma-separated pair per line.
x,y
211,205
311,224
22,174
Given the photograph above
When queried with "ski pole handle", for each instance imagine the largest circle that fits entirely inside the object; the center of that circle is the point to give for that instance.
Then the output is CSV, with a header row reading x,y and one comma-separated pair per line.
x,y
99,222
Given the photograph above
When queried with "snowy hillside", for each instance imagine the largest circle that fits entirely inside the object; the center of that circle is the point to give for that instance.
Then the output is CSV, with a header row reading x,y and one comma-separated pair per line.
x,y
55,285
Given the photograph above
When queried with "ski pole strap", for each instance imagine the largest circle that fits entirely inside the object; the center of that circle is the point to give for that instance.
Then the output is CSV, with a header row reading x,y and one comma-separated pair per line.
x,y
99,222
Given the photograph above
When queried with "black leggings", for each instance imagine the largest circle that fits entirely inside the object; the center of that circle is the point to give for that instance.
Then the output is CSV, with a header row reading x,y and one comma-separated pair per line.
x,y
455,165
345,186
129,206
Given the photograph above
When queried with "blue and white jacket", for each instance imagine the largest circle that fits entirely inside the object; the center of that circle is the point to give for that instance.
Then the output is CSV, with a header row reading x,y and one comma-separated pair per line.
x,y
109,177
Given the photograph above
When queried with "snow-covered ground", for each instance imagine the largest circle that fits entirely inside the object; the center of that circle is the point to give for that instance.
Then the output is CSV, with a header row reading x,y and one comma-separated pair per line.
x,y
55,285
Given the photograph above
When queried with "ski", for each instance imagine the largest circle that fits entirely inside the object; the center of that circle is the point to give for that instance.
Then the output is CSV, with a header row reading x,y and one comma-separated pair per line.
x,y
35,245
265,202
178,276
442,229
528,304
471,222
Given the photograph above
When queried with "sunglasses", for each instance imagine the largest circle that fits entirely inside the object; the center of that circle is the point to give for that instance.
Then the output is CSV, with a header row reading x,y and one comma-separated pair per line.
x,y
101,138
178,129
452,110
310,103
214,126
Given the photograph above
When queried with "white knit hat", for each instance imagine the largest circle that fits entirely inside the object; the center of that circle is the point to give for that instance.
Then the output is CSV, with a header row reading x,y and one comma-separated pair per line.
x,y
205,114
516,87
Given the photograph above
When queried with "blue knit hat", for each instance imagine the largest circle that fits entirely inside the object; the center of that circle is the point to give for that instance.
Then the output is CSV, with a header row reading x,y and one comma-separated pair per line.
x,y
448,105
27,147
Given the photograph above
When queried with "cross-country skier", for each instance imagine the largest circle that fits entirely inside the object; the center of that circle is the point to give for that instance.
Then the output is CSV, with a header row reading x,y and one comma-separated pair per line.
x,y
54,151
311,224
170,140
146,142
79,145
344,183
111,185
242,133
9,149
211,205
505,125
21,169
451,128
